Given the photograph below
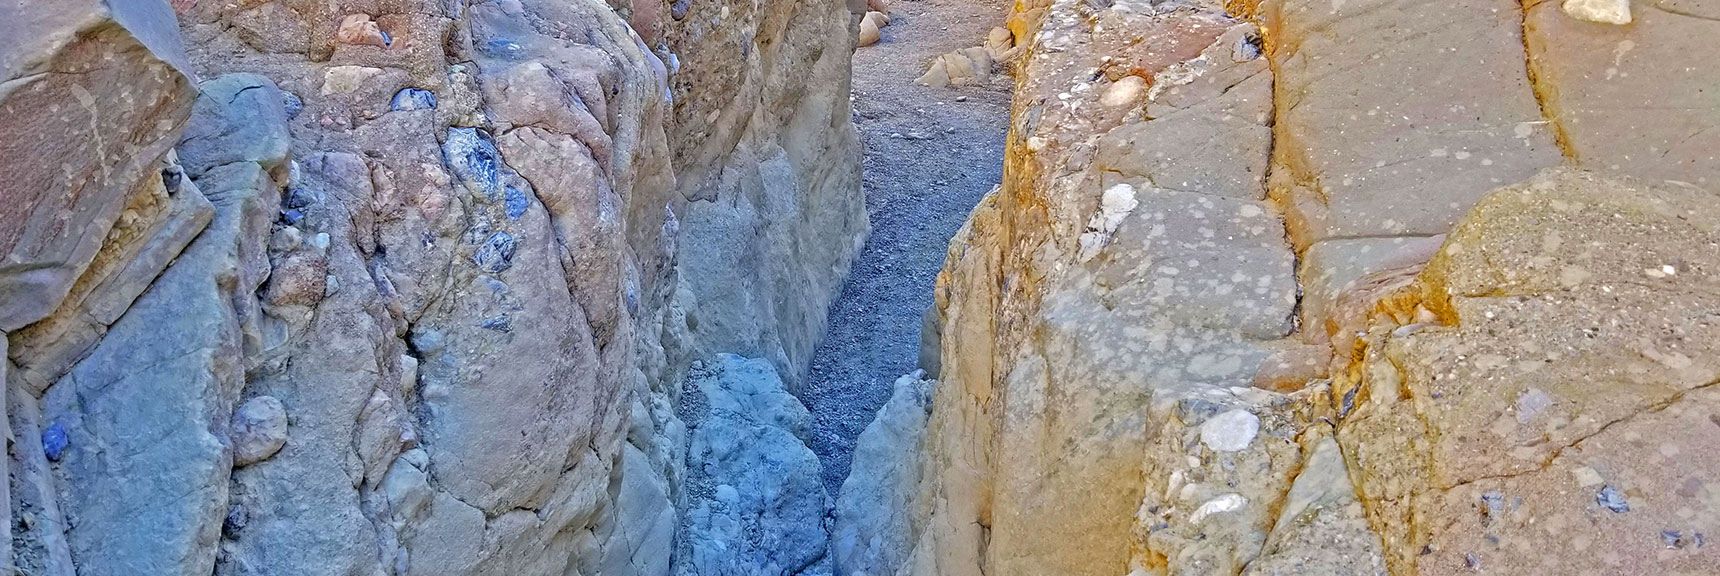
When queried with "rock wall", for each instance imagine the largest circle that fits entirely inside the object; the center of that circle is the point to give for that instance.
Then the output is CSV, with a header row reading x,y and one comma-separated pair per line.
x,y
398,287
1196,330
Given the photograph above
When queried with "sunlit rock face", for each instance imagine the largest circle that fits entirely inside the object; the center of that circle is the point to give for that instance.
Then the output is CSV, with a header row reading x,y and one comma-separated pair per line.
x,y
405,288
1197,329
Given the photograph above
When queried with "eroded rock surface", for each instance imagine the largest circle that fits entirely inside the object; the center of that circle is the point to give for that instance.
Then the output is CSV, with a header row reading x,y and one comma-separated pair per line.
x,y
755,500
1197,330
399,288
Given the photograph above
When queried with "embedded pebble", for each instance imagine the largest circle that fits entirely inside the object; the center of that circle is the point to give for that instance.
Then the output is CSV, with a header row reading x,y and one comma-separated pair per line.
x,y
1611,499
474,159
501,324
259,430
496,253
54,441
515,202
1225,503
413,99
1599,11
1230,431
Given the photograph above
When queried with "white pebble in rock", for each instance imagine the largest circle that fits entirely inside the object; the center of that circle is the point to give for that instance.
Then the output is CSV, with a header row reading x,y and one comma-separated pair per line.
x,y
259,430
1230,431
1221,504
1599,11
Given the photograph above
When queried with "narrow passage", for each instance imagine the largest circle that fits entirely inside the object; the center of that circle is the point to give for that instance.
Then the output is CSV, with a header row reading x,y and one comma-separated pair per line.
x,y
930,155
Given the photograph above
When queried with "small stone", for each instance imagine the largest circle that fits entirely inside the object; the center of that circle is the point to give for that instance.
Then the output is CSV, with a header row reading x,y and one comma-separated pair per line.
x,y
285,240
1124,92
292,216
1230,431
501,324
472,155
1611,499
1599,11
237,519
358,29
292,104
496,254
413,99
343,79
1225,503
259,430
868,33
54,441
1586,476
1672,538
516,203
678,10
1247,48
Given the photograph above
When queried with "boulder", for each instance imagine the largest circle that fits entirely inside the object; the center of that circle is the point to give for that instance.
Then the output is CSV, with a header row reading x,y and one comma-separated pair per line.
x,y
64,65
756,501
872,532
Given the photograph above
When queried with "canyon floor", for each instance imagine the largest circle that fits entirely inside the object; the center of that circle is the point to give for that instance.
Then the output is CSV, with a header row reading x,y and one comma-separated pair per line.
x,y
930,155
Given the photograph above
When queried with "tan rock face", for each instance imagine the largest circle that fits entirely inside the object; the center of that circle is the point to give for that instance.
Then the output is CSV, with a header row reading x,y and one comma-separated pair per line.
x,y
1260,318
431,272
66,66
1549,411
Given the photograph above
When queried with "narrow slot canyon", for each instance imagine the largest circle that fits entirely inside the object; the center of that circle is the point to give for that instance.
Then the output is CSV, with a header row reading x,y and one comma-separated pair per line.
x,y
862,288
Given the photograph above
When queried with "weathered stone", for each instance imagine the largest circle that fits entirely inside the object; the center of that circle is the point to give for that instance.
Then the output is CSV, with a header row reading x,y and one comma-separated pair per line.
x,y
155,389
1601,362
1410,156
259,430
238,118
757,503
1592,77
70,174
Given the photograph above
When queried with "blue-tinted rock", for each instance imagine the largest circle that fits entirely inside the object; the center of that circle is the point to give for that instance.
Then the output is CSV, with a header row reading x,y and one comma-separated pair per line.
x,y
298,198
499,323
292,216
678,10
503,48
237,519
54,441
413,99
473,158
292,104
496,254
1611,499
516,203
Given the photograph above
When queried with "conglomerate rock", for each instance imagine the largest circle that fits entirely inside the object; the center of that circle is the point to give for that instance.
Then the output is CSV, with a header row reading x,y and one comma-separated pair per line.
x,y
1197,330
399,288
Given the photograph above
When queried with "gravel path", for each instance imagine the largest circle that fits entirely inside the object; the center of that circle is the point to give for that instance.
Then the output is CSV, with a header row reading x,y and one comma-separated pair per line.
x,y
928,159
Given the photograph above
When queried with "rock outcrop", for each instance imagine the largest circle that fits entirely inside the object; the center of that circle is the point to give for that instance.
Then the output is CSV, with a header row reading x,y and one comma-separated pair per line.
x,y
871,526
1197,329
755,499
399,288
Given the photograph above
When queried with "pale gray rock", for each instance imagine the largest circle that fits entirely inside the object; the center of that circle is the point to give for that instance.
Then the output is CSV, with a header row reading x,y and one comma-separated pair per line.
x,y
755,501
237,118
259,430
873,532
156,390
